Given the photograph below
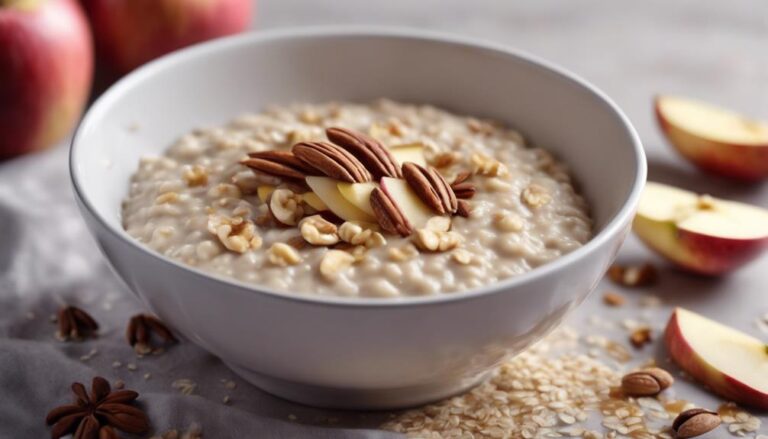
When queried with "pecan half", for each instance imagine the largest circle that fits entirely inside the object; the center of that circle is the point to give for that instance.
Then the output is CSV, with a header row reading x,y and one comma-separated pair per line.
x,y
646,382
98,414
277,163
331,161
464,209
140,329
74,324
464,190
388,215
431,187
695,422
368,150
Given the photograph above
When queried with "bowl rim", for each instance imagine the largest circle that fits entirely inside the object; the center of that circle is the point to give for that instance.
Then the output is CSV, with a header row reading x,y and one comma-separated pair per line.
x,y
612,227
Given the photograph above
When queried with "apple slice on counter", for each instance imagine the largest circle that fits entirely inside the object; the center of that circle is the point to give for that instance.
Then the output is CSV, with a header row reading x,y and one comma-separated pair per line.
x,y
407,201
715,139
359,194
327,189
411,152
733,364
699,233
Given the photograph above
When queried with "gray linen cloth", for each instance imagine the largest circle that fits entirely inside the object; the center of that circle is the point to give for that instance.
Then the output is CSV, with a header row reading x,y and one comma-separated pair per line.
x,y
48,258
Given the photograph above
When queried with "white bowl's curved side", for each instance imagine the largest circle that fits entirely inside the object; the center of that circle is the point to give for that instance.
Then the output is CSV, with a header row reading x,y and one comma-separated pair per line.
x,y
366,344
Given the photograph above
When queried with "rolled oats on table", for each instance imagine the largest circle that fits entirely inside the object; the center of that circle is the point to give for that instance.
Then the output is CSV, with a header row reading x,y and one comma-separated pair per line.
x,y
231,200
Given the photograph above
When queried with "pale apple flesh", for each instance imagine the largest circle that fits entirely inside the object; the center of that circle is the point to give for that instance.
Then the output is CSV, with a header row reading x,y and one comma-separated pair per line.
x,y
407,201
715,139
46,67
701,234
359,194
733,364
411,152
314,201
327,189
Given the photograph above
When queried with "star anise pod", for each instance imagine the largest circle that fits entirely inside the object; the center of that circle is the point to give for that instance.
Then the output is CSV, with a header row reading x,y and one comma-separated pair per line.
x,y
75,324
140,329
99,414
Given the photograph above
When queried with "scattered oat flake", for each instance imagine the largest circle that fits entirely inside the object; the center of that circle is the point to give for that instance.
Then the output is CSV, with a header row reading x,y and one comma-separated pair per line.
x,y
185,386
131,366
613,299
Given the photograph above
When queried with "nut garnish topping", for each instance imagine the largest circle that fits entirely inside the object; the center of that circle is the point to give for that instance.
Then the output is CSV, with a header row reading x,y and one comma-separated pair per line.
x,y
402,254
464,190
431,187
646,382
285,205
464,208
461,177
318,231
695,422
139,331
388,215
445,159
438,224
282,255
613,299
368,150
487,165
277,163
634,275
536,196
357,233
436,241
334,262
331,161
74,324
640,337
197,175
236,234
99,414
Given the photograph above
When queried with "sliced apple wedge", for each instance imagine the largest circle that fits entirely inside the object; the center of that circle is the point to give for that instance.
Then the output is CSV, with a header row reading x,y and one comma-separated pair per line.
x,y
411,152
327,189
733,364
359,194
702,234
406,199
314,201
263,192
715,139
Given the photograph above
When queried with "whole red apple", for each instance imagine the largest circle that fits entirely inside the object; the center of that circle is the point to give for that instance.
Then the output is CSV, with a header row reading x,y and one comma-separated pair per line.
x,y
129,33
46,66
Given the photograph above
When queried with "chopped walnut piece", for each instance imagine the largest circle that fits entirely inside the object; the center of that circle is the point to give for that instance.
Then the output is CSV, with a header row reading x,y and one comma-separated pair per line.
x,y
536,196
480,126
286,207
487,165
222,190
462,256
444,159
438,224
431,240
640,337
613,299
282,254
318,231
168,197
236,234
402,254
334,262
197,175
509,222
358,233
633,275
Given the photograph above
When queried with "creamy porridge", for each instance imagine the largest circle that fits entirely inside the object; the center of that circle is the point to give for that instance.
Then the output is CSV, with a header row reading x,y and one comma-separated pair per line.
x,y
377,200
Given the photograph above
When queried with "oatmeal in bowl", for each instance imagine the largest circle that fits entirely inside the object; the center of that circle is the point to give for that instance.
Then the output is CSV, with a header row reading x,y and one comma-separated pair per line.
x,y
381,199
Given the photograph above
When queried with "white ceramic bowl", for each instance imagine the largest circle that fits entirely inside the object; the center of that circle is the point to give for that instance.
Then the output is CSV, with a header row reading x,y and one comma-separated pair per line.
x,y
357,353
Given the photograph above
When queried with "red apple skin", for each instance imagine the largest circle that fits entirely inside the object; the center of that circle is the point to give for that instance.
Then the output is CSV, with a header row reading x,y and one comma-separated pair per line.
x,y
129,33
742,162
46,67
727,387
712,255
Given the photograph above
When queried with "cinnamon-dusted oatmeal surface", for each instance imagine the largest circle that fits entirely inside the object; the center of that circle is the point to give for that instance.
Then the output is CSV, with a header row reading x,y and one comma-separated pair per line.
x,y
207,204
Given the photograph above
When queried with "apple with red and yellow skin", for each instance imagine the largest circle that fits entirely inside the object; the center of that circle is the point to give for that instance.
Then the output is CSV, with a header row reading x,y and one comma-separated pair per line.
x,y
46,67
700,233
129,33
732,364
715,139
